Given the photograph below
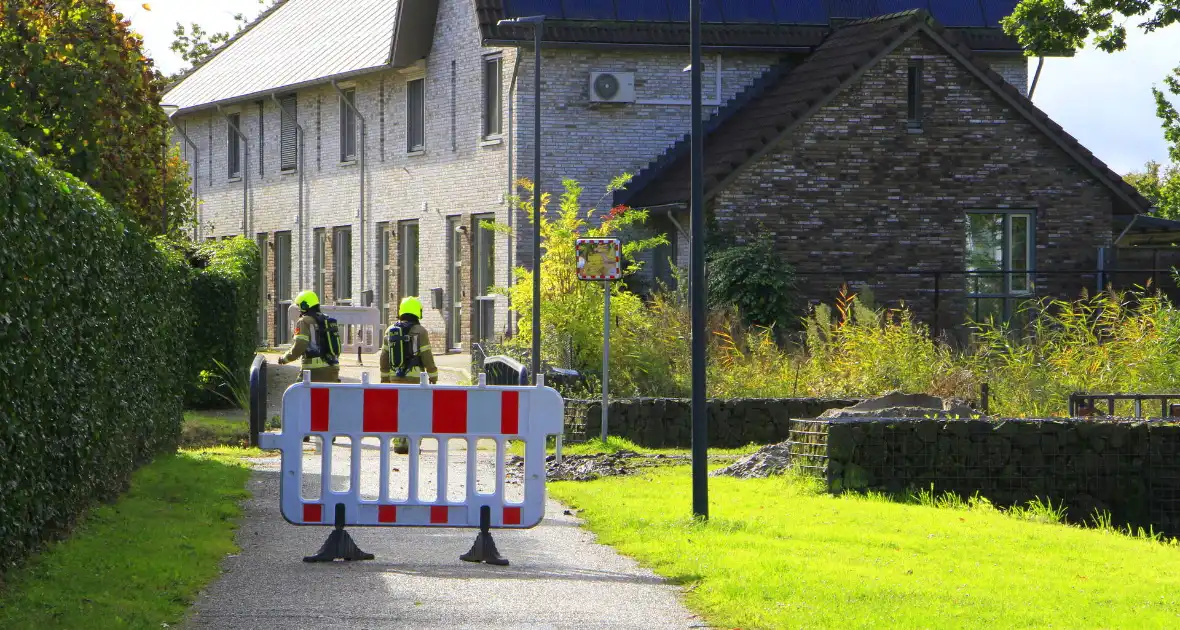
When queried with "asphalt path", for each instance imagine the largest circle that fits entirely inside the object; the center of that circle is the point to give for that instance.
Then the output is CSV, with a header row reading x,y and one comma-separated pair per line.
x,y
558,577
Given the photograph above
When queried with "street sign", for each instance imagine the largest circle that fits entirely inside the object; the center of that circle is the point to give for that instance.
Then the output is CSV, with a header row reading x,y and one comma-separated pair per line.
x,y
600,259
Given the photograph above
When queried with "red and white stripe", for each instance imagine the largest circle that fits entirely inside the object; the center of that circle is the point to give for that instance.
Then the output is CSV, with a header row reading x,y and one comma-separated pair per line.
x,y
531,414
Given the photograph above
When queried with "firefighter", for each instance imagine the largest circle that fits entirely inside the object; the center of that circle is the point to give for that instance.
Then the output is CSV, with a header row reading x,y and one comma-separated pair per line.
x,y
311,343
405,353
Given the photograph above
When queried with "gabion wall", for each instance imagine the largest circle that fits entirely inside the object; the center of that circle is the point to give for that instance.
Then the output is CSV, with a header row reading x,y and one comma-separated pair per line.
x,y
1129,469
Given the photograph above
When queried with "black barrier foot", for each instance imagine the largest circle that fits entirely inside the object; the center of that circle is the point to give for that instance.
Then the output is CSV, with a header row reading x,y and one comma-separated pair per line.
x,y
484,549
339,545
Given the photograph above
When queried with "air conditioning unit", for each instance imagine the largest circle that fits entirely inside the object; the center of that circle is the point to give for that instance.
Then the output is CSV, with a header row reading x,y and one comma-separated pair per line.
x,y
612,87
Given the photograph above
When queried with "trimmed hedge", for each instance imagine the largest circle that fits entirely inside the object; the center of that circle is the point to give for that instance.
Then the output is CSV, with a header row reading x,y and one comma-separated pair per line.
x,y
94,320
224,293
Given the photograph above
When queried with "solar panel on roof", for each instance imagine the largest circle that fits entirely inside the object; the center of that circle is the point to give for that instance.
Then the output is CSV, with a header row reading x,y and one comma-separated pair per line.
x,y
852,8
747,11
957,12
588,9
711,11
995,10
800,12
886,7
645,10
678,10
523,8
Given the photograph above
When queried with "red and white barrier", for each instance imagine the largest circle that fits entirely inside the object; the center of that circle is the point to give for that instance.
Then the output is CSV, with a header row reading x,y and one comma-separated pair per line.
x,y
414,412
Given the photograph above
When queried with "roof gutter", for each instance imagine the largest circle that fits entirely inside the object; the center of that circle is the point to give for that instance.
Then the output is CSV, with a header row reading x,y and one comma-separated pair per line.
x,y
262,94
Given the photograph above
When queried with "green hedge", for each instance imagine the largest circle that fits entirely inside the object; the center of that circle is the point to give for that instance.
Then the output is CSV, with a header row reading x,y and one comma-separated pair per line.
x,y
94,320
224,294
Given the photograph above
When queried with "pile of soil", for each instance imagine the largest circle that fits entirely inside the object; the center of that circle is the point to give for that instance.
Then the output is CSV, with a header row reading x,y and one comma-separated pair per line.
x,y
769,460
897,405
591,467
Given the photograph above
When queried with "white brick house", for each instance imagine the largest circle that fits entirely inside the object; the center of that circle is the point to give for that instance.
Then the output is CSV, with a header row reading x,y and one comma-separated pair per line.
x,y
445,105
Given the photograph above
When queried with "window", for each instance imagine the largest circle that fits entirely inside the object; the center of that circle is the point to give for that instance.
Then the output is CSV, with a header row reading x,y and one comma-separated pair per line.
x,y
455,283
382,297
319,260
348,126
261,140
282,287
407,254
914,95
342,264
492,99
234,143
999,259
262,239
416,115
289,133
484,276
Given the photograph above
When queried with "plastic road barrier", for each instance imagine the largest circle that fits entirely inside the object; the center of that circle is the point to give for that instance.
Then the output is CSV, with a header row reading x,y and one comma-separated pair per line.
x,y
414,413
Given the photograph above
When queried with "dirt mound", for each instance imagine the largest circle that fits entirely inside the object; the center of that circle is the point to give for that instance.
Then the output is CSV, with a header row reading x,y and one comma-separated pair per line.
x,y
591,467
769,460
898,405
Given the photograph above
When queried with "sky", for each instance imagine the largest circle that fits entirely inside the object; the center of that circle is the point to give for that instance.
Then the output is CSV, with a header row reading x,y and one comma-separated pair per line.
x,y
1103,100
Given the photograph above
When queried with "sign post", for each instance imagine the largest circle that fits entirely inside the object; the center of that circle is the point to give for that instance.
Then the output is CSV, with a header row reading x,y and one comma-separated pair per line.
x,y
599,260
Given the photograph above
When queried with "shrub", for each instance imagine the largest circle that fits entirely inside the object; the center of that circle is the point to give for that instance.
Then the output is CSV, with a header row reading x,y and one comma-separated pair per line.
x,y
753,278
571,320
224,290
94,324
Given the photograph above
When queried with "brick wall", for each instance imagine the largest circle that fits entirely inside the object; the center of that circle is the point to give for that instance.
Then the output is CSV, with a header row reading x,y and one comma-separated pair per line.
x,y
459,173
852,189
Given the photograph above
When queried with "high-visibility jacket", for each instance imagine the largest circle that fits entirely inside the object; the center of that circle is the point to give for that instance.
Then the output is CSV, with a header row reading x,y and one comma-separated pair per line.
x,y
421,340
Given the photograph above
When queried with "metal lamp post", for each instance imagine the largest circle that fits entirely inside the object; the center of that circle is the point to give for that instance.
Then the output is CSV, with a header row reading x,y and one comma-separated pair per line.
x,y
700,434
537,21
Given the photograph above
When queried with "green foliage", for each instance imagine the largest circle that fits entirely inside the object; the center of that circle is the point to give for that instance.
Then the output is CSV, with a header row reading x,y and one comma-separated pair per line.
x,y
1057,27
571,319
1161,186
94,324
78,90
224,290
753,278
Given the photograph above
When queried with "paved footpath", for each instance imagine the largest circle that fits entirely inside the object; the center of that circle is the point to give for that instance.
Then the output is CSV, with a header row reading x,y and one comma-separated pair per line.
x,y
559,577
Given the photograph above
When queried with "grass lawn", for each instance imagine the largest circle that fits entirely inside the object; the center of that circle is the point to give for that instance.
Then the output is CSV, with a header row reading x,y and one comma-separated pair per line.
x,y
779,553
140,562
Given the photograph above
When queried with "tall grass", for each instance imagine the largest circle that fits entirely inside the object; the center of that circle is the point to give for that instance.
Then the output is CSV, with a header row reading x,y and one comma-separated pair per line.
x,y
1109,342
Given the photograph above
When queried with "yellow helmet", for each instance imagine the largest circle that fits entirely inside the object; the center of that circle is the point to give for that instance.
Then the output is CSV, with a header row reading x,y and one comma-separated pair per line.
x,y
307,300
410,306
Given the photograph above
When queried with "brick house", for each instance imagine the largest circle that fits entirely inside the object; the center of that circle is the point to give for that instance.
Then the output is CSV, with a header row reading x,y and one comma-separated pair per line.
x,y
362,142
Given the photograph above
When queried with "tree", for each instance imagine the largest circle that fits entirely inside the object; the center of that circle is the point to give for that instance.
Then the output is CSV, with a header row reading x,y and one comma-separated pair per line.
x,y
1053,27
1161,186
78,90
572,309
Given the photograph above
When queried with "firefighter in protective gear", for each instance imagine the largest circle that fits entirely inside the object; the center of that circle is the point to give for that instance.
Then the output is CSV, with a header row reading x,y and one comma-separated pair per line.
x,y
307,344
410,312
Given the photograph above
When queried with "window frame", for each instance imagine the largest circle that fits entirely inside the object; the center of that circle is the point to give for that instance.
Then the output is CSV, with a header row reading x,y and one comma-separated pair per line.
x,y
233,146
1017,285
404,258
289,133
914,79
348,126
342,263
418,124
493,97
